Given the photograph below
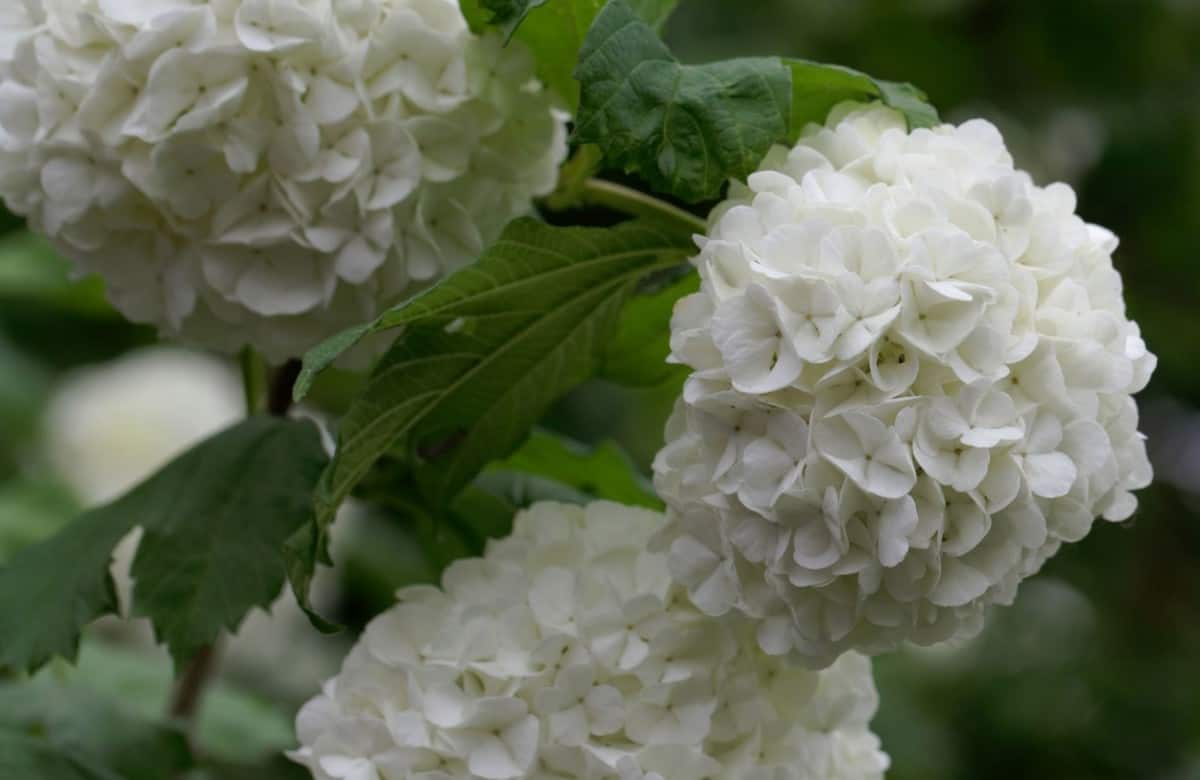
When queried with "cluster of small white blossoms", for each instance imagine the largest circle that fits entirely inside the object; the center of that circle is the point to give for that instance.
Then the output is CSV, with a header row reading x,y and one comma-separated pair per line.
x,y
567,653
266,172
911,384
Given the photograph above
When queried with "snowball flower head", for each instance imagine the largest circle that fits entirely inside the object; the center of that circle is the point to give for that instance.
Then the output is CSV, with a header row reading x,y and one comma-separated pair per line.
x,y
567,653
911,384
266,172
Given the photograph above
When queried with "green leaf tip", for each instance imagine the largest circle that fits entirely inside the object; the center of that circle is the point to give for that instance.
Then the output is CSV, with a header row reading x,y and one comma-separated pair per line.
x,y
817,88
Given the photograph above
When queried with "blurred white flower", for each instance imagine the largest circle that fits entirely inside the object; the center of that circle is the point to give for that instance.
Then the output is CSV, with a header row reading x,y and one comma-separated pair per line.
x,y
567,652
267,172
110,426
911,383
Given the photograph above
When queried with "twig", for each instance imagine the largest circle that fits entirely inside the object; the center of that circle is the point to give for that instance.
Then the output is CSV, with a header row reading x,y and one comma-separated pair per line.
x,y
190,689
279,397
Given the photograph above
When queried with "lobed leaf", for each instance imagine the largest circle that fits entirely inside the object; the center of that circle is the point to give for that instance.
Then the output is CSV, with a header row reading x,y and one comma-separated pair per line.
x,y
214,520
685,129
554,30
51,590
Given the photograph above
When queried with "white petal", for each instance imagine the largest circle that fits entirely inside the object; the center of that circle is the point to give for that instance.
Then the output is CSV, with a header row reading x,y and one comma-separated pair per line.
x,y
1050,475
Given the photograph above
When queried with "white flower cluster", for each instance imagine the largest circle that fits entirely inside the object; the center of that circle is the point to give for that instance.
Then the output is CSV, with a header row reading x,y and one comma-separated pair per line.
x,y
566,653
266,172
911,383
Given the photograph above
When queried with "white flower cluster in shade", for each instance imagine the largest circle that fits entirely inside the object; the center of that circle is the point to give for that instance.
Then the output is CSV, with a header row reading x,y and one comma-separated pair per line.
x,y
266,172
911,384
567,653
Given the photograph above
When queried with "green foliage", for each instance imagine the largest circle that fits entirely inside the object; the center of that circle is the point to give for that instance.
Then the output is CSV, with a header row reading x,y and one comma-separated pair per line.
x,y
507,15
215,520
816,88
1097,105
52,731
49,591
21,393
686,129
30,512
637,354
573,178
103,720
554,30
233,724
601,472
398,542
30,270
215,523
481,358
23,756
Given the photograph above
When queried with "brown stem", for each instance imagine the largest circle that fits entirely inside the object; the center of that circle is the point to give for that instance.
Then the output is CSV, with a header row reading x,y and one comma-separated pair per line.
x,y
279,396
190,688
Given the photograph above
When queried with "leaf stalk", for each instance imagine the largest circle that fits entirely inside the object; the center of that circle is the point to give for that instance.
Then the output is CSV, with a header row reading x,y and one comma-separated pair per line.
x,y
618,197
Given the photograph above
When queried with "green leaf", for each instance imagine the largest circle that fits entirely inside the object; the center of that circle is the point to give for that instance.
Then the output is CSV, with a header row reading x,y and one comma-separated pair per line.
x,y
30,512
49,591
654,12
637,354
31,270
482,356
685,129
22,394
214,522
554,30
601,472
23,756
816,88
50,730
233,724
516,490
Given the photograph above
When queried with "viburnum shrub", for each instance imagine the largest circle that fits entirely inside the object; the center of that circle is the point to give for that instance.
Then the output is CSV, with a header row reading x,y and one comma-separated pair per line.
x,y
904,372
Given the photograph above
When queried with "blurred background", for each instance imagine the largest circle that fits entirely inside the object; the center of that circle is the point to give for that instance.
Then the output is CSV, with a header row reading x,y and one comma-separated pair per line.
x,y
1094,673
